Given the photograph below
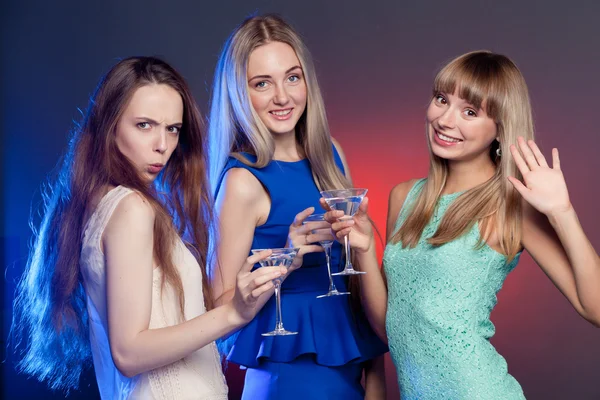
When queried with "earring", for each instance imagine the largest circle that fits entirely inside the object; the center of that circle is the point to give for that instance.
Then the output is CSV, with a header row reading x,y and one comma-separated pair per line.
x,y
499,152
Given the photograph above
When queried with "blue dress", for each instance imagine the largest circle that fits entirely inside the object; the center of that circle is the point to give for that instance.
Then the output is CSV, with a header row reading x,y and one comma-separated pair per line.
x,y
325,359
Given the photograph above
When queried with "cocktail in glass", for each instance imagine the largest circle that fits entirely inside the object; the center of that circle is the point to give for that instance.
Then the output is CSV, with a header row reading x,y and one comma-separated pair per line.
x,y
348,201
282,257
326,244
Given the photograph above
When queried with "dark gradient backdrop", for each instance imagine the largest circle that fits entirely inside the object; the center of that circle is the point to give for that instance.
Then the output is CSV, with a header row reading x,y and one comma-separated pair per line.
x,y
376,63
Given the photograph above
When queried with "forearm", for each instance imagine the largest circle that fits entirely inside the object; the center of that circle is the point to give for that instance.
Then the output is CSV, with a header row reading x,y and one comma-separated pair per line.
x,y
375,379
373,292
224,298
584,261
154,348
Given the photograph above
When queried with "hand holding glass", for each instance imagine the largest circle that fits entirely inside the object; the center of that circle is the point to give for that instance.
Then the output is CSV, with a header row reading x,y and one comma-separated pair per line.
x,y
348,201
326,244
282,257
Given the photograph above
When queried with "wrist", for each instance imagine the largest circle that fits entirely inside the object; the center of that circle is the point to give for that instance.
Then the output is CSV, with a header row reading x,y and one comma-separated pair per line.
x,y
370,247
367,252
559,215
234,319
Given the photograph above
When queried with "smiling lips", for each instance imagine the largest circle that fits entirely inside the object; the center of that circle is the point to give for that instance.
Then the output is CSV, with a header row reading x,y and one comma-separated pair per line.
x,y
281,115
444,140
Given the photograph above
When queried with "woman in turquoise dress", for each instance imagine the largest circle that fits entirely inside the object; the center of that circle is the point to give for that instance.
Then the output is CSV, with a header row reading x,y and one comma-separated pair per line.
x,y
455,236
271,154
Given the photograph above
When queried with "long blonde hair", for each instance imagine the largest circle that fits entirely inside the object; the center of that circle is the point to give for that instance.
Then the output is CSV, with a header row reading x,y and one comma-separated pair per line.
x,y
235,127
494,82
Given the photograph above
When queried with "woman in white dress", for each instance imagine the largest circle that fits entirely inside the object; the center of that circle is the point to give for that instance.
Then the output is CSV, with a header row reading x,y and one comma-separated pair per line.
x,y
117,270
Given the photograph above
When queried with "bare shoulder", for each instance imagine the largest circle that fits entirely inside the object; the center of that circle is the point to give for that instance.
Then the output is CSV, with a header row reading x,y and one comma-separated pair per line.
x,y
241,185
396,201
133,214
400,191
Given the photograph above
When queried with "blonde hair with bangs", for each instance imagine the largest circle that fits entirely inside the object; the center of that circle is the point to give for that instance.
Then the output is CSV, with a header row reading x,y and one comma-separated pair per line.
x,y
234,126
492,82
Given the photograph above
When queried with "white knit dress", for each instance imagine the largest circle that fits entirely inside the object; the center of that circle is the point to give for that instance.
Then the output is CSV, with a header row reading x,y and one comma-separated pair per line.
x,y
197,376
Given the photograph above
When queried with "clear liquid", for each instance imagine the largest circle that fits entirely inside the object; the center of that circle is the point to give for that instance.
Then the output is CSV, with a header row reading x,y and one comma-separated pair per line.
x,y
349,205
317,218
278,260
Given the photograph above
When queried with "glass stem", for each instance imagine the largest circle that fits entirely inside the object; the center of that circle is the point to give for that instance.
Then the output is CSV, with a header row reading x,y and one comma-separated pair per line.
x,y
278,318
328,257
347,244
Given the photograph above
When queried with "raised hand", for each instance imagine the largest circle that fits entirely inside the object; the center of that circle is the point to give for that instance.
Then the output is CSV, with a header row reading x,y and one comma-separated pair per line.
x,y
544,187
358,227
251,285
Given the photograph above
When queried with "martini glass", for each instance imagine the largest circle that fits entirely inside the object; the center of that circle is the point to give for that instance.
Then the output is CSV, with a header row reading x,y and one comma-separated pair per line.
x,y
346,200
282,257
326,244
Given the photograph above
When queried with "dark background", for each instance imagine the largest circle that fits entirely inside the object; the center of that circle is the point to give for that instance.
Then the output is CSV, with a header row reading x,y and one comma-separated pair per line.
x,y
376,62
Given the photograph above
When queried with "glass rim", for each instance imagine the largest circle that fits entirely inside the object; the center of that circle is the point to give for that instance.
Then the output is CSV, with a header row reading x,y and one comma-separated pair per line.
x,y
278,250
331,191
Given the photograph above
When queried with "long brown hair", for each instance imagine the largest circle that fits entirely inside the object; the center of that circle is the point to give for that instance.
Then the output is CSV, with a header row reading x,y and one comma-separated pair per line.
x,y
50,308
493,81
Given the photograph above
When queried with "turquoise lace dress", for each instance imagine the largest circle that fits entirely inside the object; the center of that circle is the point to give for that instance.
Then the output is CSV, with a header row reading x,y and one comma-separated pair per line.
x,y
438,317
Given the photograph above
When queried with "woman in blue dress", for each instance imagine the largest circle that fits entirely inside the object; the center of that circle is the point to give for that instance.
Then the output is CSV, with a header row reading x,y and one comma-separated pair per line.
x,y
455,236
271,153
